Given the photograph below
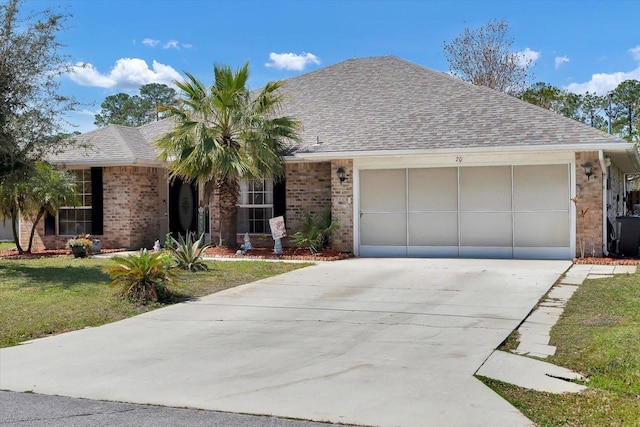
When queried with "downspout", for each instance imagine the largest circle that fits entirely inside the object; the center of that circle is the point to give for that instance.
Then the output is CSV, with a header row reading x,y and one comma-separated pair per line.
x,y
605,177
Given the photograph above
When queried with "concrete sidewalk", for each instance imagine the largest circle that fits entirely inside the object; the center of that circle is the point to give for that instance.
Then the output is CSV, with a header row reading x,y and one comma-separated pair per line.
x,y
534,336
392,342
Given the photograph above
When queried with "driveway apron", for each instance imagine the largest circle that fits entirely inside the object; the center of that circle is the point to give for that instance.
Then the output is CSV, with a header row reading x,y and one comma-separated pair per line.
x,y
381,342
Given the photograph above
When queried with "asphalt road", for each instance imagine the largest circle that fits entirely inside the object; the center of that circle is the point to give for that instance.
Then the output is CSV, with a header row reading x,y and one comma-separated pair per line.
x,y
37,410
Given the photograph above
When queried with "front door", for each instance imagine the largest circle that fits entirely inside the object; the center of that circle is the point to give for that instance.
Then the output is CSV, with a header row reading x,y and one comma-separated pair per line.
x,y
183,207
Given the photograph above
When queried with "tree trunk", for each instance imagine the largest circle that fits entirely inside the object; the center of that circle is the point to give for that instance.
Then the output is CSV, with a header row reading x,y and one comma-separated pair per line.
x,y
33,229
14,229
227,203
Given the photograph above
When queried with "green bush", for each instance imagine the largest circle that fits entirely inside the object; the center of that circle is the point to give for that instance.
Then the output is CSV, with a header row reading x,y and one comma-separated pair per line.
x,y
187,253
143,277
315,231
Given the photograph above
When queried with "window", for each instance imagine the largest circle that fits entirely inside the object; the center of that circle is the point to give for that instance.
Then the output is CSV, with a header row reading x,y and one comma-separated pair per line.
x,y
73,220
256,206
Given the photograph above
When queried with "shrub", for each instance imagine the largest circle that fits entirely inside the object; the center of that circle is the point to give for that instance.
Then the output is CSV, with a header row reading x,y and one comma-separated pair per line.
x,y
80,241
315,231
143,277
187,253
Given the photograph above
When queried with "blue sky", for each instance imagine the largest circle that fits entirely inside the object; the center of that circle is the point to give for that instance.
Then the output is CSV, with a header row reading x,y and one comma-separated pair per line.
x,y
578,45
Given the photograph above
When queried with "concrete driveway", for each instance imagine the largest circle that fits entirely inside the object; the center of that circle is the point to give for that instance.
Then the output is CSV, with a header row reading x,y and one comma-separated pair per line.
x,y
391,342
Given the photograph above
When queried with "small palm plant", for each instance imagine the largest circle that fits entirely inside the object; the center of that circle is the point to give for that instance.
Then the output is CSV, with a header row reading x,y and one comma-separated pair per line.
x,y
315,231
187,253
143,277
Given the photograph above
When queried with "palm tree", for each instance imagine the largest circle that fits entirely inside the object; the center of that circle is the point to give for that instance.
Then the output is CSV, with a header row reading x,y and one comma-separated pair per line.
x,y
224,133
42,190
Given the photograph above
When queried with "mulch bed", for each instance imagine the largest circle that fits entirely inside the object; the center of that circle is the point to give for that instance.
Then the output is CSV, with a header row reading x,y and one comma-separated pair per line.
x,y
256,253
48,253
289,254
302,254
607,261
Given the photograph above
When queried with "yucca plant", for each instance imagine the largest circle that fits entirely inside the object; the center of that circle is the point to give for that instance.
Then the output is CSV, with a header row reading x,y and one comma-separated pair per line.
x,y
142,277
187,253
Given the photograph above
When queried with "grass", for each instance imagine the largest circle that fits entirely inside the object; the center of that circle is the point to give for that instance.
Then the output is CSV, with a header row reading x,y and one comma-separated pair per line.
x,y
598,336
46,296
5,246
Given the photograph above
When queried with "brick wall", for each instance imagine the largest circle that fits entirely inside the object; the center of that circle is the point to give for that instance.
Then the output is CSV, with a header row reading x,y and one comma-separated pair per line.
x,y
308,190
310,187
588,206
132,213
342,206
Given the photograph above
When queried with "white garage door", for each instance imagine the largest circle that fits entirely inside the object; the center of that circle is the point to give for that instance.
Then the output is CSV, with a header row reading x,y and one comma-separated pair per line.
x,y
486,211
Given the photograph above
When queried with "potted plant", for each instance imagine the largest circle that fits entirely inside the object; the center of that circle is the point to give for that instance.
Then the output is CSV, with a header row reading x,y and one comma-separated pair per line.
x,y
79,246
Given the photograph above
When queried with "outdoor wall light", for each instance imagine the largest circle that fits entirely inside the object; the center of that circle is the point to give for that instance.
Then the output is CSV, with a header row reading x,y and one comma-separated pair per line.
x,y
342,176
588,169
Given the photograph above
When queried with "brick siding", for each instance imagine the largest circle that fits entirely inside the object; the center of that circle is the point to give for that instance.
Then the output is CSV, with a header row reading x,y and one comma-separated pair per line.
x,y
588,206
342,206
132,213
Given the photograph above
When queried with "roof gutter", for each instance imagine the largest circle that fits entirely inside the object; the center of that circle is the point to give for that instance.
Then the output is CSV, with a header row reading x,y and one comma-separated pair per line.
x,y
605,179
110,163
334,155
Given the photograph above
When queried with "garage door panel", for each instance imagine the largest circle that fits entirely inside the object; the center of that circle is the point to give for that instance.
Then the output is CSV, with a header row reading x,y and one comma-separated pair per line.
x,y
434,189
433,229
383,190
541,187
483,211
383,229
541,229
486,229
485,188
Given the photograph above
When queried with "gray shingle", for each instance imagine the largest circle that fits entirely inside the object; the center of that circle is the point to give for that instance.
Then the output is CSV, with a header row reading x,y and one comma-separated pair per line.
x,y
387,103
371,104
113,145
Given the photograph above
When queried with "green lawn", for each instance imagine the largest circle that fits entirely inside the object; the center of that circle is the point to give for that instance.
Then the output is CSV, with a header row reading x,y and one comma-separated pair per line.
x,y
5,246
599,336
40,297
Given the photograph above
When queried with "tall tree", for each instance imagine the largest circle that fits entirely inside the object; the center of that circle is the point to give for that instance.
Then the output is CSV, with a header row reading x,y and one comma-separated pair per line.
x,y
31,106
587,108
592,108
483,57
626,100
224,133
543,95
157,95
136,110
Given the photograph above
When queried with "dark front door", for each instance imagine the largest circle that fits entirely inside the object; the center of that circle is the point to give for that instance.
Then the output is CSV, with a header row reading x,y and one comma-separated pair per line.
x,y
183,207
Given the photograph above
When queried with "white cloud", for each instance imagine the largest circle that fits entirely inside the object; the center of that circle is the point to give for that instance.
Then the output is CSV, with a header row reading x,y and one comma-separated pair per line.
x,y
291,61
171,44
602,83
527,57
187,45
127,74
561,60
150,42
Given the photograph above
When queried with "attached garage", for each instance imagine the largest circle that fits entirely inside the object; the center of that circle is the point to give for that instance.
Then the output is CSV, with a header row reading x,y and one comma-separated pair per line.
x,y
510,211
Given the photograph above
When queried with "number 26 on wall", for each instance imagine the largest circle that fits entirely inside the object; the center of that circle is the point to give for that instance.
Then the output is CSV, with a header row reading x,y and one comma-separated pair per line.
x,y
458,159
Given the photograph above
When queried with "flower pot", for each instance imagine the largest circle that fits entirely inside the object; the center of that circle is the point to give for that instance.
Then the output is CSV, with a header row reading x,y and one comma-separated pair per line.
x,y
79,251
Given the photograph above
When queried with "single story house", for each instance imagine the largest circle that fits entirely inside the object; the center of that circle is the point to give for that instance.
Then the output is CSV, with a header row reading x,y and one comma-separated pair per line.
x,y
412,162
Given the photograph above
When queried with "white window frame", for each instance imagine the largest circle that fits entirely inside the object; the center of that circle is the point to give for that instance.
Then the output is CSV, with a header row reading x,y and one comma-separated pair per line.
x,y
247,201
83,191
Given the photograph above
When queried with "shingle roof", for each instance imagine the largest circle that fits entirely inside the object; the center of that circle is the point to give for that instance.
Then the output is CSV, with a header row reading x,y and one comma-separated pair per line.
x,y
375,104
115,145
387,103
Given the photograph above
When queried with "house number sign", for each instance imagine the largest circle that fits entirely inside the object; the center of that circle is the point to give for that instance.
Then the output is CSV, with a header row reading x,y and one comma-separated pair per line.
x,y
459,159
